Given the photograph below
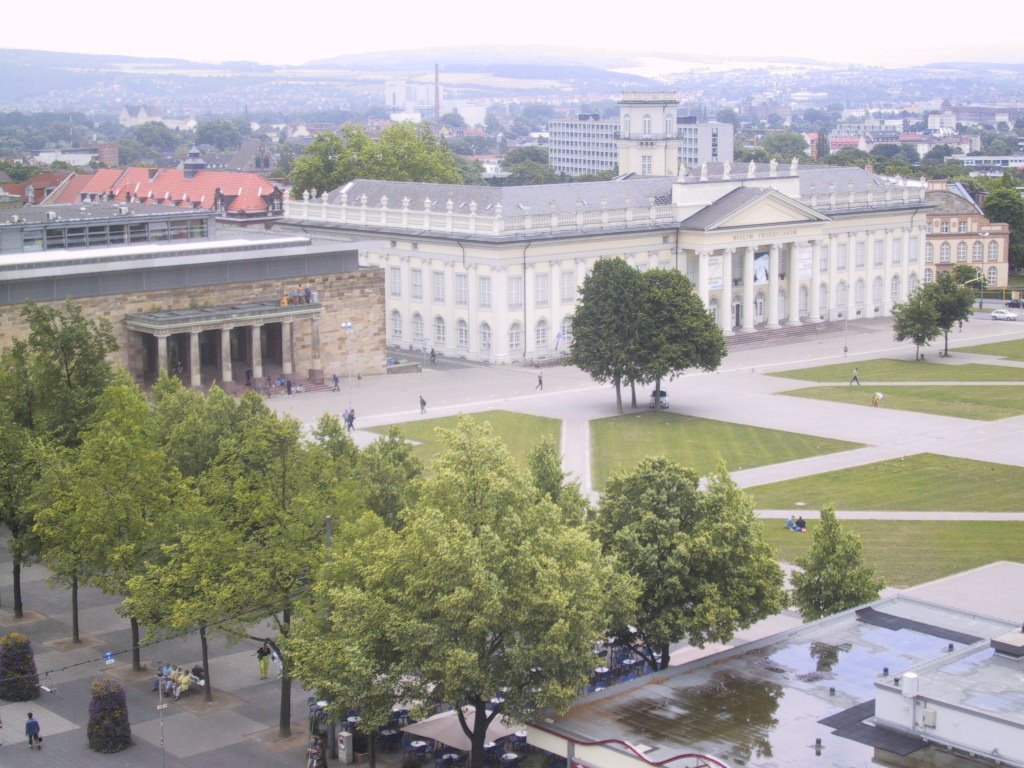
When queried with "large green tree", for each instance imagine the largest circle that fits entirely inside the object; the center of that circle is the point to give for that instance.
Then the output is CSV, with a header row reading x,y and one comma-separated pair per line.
x,y
675,330
699,555
604,325
1005,204
483,588
916,319
833,576
402,152
785,145
952,302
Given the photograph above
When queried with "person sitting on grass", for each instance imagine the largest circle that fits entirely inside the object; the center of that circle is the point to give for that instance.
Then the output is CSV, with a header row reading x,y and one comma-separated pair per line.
x,y
791,524
801,524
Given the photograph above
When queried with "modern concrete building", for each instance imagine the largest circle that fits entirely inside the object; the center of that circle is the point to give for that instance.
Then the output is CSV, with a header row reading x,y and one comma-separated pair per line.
x,y
492,273
584,145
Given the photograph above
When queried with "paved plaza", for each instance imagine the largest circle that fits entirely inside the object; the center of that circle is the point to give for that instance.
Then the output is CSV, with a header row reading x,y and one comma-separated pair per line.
x,y
240,727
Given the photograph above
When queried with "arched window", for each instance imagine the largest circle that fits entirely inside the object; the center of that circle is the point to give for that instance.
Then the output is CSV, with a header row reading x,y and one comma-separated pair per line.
x,y
396,325
515,338
841,296
894,287
417,327
647,126
485,338
462,335
961,251
540,334
626,125
670,126
823,300
912,282
566,331
858,294
929,253
929,276
944,253
876,292
991,276
993,250
439,334
977,251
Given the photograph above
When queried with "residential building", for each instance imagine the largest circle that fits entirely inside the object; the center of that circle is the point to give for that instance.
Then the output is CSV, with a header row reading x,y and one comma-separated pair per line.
x,y
763,245
707,142
38,188
584,145
959,232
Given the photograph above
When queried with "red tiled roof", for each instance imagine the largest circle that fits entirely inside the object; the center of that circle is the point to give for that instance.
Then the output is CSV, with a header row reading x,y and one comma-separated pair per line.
x,y
72,191
102,181
40,183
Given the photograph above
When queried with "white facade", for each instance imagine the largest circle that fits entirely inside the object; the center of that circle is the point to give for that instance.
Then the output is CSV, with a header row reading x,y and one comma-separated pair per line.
x,y
492,273
705,143
583,145
648,139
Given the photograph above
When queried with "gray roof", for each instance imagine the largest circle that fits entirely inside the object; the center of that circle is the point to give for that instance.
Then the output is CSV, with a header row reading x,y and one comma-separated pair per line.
x,y
953,200
540,198
739,198
92,211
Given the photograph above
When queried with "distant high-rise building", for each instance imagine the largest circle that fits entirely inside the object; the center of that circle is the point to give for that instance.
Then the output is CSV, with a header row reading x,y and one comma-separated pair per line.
x,y
583,145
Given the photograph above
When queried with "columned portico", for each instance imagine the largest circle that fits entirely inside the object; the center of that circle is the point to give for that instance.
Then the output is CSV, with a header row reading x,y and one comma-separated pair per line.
x,y
703,257
194,372
794,284
725,315
748,289
316,371
256,363
161,351
225,354
287,356
814,291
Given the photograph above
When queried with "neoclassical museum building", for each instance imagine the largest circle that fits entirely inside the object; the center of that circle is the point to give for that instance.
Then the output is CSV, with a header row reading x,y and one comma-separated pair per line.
x,y
491,273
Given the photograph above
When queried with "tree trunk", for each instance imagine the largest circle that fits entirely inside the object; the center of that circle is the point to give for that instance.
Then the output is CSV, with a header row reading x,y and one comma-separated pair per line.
x,y
478,733
664,657
632,391
618,394
19,609
207,688
372,739
136,650
285,722
75,636
945,352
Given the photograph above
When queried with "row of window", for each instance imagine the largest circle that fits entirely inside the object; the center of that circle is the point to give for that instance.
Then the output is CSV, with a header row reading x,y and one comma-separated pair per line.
x,y
946,226
977,250
439,287
439,338
991,275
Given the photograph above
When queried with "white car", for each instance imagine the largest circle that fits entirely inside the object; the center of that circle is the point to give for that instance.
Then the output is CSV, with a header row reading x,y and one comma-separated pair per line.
x,y
1003,314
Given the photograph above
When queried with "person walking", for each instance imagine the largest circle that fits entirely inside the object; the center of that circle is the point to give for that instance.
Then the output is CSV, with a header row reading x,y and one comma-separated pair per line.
x,y
351,419
856,378
32,731
263,658
540,382
423,405
288,385
337,383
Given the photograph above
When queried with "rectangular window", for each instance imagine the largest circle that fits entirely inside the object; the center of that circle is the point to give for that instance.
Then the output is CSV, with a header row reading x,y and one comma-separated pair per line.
x,y
944,227
395,280
879,258
461,289
416,283
484,289
823,259
897,251
645,165
858,254
567,287
515,291
437,283
961,227
841,256
912,252
540,289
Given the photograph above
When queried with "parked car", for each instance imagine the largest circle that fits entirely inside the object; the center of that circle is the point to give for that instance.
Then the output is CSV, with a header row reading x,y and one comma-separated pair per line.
x,y
1003,314
1014,303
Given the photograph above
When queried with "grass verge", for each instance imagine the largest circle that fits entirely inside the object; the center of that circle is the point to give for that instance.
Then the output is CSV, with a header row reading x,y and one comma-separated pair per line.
x,y
907,370
1011,350
923,482
619,442
984,403
907,552
519,431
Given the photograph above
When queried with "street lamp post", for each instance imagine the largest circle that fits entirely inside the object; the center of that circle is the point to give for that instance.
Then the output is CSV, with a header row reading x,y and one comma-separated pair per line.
x,y
347,327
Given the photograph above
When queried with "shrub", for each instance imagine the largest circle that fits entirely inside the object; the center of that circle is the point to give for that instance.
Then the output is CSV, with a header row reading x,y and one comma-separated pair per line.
x,y
19,680
109,730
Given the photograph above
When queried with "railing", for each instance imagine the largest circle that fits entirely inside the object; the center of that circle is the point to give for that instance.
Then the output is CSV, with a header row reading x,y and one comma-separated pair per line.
x,y
833,199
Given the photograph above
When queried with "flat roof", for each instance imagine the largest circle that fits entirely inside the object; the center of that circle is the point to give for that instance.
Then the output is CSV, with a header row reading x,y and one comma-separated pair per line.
x,y
94,212
762,704
208,317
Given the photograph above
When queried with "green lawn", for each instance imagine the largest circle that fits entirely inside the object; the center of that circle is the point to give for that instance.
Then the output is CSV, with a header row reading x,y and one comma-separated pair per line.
x,y
911,552
519,431
924,482
907,370
985,403
1011,350
618,443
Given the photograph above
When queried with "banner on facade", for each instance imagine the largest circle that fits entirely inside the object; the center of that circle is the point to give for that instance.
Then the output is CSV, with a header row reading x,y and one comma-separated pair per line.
x,y
715,273
806,256
761,268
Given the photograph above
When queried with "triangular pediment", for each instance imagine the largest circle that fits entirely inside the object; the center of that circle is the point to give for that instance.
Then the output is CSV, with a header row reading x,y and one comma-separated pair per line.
x,y
768,209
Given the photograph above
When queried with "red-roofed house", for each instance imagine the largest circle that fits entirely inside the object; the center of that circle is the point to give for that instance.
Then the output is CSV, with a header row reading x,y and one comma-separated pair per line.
x,y
33,191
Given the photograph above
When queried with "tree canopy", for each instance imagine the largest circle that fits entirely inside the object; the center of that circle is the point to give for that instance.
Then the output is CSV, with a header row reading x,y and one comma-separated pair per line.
x,y
833,576
916,319
785,145
952,302
1005,204
700,556
402,152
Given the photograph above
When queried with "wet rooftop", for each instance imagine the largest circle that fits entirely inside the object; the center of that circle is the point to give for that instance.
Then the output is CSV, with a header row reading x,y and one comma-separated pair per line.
x,y
760,704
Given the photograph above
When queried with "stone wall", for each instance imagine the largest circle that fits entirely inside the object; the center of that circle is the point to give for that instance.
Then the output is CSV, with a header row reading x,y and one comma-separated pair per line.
x,y
354,297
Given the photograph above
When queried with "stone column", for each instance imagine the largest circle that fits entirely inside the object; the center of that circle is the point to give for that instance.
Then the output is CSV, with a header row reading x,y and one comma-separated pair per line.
x,y
161,353
725,300
195,374
748,289
702,276
452,336
794,284
833,277
316,369
813,291
851,271
225,354
256,362
773,286
530,313
905,260
287,355
887,275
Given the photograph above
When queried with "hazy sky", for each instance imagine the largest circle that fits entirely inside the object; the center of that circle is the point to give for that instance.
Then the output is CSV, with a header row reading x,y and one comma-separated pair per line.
x,y
869,32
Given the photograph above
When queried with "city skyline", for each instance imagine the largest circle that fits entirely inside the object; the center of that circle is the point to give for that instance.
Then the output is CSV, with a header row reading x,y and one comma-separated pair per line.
x,y
879,35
